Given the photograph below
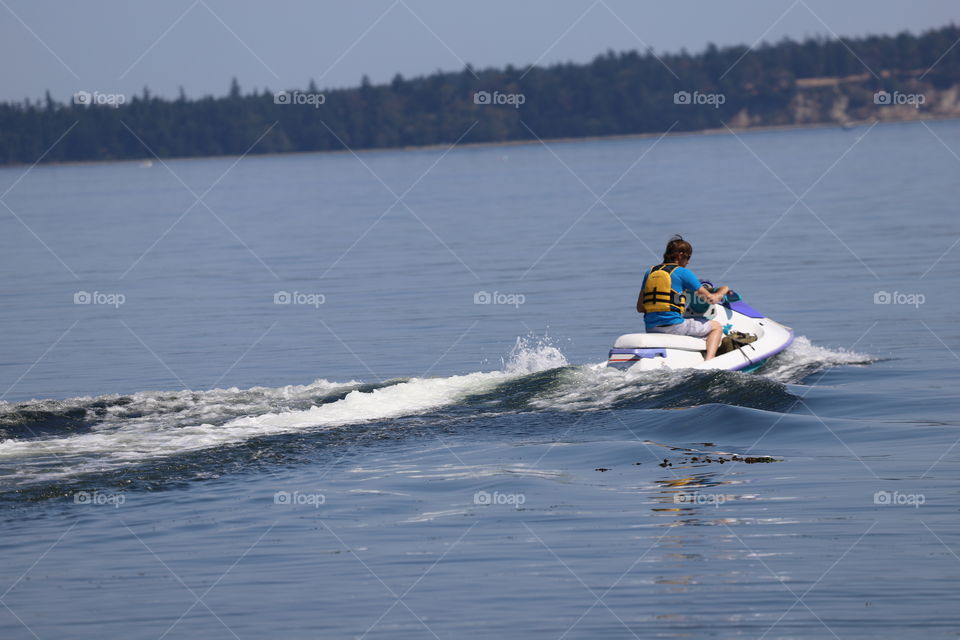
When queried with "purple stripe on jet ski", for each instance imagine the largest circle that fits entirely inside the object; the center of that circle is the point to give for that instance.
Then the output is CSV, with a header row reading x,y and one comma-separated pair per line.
x,y
639,353
742,307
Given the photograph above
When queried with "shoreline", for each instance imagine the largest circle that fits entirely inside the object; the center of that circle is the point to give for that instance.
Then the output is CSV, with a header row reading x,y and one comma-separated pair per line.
x,y
505,143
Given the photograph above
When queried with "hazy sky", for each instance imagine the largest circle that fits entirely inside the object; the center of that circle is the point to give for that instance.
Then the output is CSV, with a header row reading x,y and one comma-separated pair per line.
x,y
122,45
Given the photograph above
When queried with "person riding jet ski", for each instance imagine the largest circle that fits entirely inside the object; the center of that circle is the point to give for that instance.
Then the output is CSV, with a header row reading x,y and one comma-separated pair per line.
x,y
662,300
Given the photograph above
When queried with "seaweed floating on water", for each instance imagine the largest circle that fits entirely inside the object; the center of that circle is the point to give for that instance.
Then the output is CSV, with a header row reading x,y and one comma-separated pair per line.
x,y
702,459
733,458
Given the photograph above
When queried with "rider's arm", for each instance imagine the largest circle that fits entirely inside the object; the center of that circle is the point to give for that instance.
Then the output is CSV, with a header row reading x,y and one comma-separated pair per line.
x,y
643,286
715,297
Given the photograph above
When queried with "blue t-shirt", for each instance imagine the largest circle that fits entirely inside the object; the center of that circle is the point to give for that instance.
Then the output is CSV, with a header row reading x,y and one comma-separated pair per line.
x,y
682,279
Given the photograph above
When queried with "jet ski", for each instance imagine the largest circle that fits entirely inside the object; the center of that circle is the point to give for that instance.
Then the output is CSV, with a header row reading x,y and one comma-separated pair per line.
x,y
750,340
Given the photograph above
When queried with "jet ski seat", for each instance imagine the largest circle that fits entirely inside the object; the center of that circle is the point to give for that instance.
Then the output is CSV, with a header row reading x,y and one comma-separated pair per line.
x,y
660,341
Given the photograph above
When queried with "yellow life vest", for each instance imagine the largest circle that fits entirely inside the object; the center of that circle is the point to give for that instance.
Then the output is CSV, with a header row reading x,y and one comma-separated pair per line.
x,y
658,294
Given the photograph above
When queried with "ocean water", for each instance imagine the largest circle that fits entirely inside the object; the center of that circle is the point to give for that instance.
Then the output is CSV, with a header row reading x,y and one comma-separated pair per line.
x,y
355,396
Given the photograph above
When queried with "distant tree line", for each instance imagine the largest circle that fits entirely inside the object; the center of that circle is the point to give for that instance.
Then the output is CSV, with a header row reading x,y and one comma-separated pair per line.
x,y
617,93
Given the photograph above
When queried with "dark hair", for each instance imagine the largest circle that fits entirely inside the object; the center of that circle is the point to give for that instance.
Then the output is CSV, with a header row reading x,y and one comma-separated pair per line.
x,y
677,247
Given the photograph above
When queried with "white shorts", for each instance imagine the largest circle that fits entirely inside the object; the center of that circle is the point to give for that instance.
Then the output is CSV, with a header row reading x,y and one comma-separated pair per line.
x,y
696,327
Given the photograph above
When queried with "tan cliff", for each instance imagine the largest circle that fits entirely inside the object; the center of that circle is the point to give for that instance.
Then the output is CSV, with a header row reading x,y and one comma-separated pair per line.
x,y
852,99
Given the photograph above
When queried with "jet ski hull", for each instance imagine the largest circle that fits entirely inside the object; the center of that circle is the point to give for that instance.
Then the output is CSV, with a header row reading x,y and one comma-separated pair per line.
x,y
651,351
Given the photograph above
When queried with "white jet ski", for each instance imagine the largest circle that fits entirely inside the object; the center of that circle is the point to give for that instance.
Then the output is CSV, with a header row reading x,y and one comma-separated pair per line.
x,y
753,339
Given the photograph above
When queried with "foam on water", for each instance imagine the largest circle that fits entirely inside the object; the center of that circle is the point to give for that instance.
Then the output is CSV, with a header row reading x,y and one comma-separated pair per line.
x,y
599,387
117,442
145,407
534,353
803,358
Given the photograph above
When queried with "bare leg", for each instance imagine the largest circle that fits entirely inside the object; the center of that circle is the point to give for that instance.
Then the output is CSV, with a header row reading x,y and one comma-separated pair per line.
x,y
713,340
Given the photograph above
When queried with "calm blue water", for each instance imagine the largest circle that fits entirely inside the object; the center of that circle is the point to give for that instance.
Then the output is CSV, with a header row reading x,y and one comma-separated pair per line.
x,y
182,457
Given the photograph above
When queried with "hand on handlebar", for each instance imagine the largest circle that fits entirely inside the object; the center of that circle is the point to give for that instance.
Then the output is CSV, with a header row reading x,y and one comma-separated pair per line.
x,y
715,296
